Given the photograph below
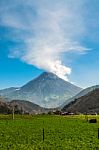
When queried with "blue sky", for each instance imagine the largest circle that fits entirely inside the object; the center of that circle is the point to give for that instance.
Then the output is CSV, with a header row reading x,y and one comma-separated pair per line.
x,y
56,36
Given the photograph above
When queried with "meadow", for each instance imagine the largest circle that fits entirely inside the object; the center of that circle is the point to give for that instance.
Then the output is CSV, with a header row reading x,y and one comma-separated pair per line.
x,y
48,132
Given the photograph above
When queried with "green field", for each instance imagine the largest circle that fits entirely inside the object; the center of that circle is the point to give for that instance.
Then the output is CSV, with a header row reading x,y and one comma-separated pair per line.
x,y
60,133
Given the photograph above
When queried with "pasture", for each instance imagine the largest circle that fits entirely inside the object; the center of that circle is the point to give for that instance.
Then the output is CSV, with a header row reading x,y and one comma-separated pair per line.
x,y
48,132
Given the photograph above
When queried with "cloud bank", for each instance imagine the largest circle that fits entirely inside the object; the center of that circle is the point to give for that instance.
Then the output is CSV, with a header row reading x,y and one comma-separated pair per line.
x,y
47,29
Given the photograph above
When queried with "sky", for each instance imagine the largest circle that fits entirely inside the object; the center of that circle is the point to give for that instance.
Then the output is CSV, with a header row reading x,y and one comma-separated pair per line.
x,y
61,37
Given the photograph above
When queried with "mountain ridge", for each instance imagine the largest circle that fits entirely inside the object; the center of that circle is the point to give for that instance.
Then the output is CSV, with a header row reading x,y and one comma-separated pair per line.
x,y
47,90
88,103
21,107
80,94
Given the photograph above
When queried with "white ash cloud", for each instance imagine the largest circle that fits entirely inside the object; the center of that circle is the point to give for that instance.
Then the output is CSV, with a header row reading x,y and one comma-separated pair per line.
x,y
56,27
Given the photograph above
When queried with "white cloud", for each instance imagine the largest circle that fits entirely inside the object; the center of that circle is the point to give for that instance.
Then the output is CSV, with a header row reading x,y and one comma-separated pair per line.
x,y
56,26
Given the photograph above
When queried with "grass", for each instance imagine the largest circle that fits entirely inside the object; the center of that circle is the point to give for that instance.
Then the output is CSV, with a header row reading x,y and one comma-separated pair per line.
x,y
60,133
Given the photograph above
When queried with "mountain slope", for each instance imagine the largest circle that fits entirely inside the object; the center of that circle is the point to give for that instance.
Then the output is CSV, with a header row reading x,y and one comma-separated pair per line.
x,y
2,99
20,107
47,90
29,107
81,93
88,103
8,91
4,106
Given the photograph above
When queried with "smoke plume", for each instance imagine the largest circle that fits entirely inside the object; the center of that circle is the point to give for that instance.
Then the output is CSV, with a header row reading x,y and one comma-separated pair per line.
x,y
47,29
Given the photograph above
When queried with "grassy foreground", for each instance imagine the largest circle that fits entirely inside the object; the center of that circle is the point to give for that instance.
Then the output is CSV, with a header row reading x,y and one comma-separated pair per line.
x,y
60,133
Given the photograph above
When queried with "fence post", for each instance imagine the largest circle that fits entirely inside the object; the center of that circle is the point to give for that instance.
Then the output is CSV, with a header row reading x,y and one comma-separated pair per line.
x,y
43,134
13,113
